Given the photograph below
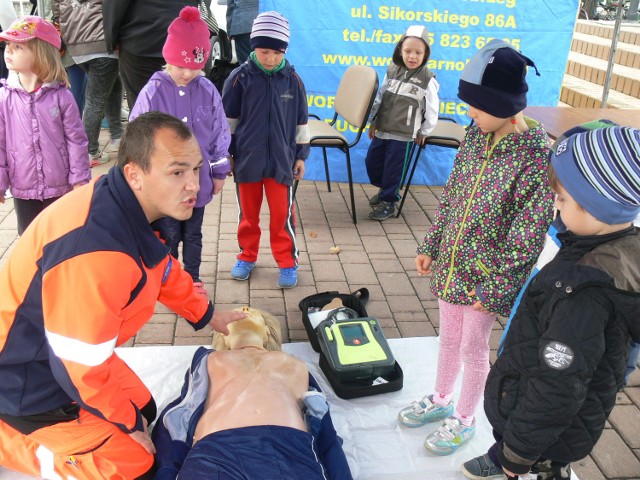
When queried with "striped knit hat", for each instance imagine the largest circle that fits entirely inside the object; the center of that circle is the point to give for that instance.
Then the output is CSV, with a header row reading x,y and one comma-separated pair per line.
x,y
270,30
601,170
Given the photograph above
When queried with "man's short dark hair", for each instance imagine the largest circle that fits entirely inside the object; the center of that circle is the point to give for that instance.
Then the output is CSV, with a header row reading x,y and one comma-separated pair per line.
x,y
137,143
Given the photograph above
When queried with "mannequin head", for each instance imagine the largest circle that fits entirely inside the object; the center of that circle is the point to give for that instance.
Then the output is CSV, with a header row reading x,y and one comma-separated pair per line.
x,y
258,328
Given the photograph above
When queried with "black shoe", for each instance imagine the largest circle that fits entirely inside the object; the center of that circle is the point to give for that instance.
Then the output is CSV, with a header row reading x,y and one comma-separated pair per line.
x,y
383,211
375,200
481,467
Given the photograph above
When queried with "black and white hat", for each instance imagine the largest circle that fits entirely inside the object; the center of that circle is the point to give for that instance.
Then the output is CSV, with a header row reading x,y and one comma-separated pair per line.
x,y
270,30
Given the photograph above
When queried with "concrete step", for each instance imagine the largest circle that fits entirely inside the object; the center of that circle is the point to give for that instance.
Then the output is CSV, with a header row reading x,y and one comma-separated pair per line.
x,y
623,79
626,54
581,93
629,32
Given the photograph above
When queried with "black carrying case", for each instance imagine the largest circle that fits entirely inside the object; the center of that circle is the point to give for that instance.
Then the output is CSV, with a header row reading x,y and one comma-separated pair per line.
x,y
356,301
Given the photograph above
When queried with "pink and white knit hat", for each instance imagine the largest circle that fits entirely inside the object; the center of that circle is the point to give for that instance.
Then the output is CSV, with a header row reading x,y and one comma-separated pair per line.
x,y
187,43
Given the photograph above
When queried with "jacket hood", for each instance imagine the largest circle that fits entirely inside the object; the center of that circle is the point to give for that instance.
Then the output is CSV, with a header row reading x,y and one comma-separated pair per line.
x,y
417,31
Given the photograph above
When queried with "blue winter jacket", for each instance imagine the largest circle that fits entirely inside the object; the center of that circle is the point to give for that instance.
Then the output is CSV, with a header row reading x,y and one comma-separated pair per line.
x,y
173,432
267,115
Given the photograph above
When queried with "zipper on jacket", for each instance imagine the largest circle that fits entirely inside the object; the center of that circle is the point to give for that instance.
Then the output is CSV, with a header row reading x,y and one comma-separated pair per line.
x,y
409,113
488,152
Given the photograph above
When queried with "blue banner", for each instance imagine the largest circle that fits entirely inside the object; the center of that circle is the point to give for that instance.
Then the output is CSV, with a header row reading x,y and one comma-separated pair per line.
x,y
329,36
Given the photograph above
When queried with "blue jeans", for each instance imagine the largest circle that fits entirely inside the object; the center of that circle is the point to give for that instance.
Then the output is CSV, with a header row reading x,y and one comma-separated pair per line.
x,y
103,97
632,360
189,232
78,81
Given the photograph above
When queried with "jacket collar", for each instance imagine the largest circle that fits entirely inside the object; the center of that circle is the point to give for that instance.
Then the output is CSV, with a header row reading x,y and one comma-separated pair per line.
x,y
589,242
152,250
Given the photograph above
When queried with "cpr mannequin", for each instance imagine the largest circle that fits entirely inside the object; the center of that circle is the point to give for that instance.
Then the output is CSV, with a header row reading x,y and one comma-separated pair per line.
x,y
249,365
247,411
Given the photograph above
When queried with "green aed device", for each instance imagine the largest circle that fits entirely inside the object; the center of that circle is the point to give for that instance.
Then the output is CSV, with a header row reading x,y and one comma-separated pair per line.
x,y
355,349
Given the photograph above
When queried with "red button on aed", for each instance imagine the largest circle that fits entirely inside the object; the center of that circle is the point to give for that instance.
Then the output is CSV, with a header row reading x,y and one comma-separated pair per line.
x,y
356,342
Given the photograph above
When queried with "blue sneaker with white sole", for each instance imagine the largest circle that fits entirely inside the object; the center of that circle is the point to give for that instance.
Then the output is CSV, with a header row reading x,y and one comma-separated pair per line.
x,y
288,277
241,270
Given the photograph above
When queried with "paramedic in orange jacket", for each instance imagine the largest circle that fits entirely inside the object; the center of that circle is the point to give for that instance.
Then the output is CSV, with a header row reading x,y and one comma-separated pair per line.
x,y
83,279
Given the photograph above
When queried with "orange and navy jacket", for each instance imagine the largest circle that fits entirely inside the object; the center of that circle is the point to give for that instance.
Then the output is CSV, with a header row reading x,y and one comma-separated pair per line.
x,y
83,279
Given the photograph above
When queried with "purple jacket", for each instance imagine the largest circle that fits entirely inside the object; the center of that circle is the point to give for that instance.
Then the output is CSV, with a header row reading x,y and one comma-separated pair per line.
x,y
200,107
43,147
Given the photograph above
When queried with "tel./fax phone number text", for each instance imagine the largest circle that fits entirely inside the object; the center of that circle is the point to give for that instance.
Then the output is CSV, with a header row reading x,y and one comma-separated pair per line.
x,y
453,40
449,40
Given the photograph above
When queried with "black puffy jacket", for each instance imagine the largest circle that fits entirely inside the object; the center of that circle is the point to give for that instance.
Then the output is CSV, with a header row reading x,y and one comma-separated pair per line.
x,y
554,385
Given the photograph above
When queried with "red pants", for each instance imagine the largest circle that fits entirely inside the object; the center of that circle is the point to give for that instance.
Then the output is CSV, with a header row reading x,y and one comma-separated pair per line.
x,y
87,449
281,221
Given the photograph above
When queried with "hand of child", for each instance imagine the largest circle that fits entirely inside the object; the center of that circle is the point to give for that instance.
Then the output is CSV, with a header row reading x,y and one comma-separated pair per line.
x,y
232,162
510,475
218,184
420,139
298,170
423,264
372,131
477,306
220,320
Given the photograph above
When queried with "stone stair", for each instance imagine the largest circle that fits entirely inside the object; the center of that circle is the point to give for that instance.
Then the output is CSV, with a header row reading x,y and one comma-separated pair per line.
x,y
587,66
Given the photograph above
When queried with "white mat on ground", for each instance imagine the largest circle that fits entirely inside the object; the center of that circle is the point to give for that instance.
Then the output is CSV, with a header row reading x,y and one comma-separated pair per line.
x,y
376,446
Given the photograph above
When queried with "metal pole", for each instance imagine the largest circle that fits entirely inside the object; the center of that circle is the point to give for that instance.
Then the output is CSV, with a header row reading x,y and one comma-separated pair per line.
x,y
612,55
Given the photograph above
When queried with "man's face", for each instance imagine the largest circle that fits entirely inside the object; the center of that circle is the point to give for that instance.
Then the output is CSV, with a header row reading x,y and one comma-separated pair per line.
x,y
170,186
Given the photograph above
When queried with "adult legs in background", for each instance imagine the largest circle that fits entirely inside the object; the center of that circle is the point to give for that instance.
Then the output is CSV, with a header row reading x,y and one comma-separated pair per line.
x,y
281,223
28,210
103,96
78,81
242,46
135,72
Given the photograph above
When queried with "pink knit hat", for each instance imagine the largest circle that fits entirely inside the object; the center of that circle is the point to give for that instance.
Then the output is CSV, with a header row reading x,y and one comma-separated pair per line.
x,y
30,27
187,44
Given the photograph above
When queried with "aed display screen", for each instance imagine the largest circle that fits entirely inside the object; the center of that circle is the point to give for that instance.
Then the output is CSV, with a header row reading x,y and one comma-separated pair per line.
x,y
351,332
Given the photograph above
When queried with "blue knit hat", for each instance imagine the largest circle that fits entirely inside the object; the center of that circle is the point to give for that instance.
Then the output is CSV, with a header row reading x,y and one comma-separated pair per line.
x,y
270,30
494,80
601,170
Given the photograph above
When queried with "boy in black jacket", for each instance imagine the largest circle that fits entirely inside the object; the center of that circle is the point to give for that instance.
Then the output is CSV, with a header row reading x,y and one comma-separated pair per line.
x,y
552,388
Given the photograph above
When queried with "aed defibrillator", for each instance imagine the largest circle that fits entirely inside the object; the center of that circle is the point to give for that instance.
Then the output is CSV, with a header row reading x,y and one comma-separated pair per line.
x,y
355,348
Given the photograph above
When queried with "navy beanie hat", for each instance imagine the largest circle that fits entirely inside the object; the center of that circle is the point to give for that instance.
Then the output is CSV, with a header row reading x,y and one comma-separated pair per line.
x,y
600,169
494,80
270,30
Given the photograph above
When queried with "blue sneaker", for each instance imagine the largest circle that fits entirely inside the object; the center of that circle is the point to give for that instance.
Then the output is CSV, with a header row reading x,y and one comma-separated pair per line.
x,y
288,277
449,436
420,413
241,270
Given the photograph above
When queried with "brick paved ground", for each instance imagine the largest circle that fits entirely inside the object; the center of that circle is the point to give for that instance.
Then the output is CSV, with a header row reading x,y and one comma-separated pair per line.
x,y
375,255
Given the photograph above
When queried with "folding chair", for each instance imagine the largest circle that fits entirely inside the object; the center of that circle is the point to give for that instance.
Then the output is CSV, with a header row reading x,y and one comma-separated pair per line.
x,y
354,98
447,133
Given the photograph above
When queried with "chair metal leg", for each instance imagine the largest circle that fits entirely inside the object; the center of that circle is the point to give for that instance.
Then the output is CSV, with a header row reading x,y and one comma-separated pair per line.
x,y
353,201
404,174
408,182
326,168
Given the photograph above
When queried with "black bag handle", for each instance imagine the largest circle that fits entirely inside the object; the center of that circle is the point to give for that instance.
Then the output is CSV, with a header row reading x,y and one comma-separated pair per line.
x,y
362,294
